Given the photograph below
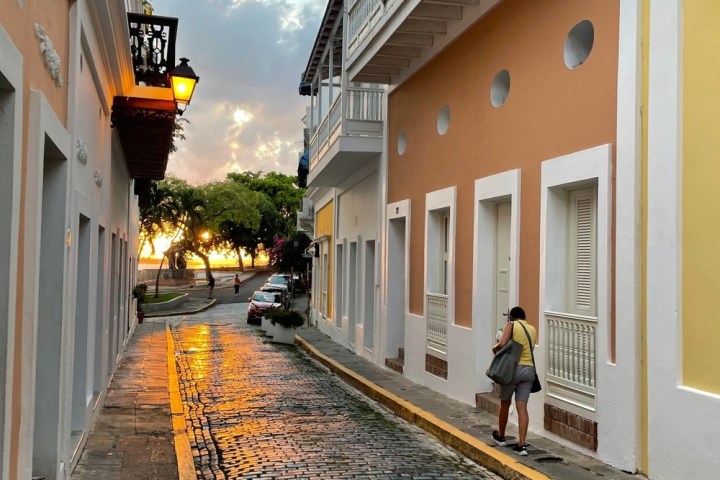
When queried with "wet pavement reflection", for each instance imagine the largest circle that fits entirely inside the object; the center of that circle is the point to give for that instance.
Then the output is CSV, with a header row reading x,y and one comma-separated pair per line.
x,y
255,409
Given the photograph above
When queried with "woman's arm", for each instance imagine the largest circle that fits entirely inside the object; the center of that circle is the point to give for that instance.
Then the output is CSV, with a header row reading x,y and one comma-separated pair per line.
x,y
506,335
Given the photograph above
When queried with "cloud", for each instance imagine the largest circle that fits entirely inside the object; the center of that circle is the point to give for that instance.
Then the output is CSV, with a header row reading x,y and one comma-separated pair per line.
x,y
246,112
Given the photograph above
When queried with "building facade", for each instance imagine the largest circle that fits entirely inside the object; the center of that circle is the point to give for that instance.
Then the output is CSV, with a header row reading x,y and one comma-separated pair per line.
x,y
559,156
345,140
682,393
68,248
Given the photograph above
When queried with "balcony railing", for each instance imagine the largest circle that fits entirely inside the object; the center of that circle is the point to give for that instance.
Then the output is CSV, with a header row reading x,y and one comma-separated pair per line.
x,y
571,365
363,15
152,46
437,324
363,113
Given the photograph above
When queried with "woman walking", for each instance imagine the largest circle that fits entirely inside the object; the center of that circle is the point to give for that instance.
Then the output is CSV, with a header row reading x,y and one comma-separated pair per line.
x,y
519,330
237,284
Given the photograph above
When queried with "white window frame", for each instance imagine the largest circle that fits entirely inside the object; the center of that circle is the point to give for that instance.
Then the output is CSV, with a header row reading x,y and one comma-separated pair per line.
x,y
11,67
440,205
592,166
489,191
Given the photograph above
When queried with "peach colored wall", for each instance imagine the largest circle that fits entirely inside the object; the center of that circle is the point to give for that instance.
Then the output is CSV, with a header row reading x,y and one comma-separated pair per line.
x,y
19,23
550,111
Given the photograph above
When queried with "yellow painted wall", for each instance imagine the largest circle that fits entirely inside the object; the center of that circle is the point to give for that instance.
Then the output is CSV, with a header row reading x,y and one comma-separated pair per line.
x,y
324,226
700,206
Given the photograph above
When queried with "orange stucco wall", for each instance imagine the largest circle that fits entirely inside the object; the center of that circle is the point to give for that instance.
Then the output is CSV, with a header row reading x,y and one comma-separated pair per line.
x,y
550,111
19,23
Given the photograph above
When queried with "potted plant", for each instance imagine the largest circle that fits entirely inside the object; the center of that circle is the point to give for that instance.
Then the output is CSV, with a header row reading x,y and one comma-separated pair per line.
x,y
138,292
285,323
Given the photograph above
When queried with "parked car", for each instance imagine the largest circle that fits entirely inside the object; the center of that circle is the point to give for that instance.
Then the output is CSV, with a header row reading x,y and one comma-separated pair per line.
x,y
261,301
281,289
280,278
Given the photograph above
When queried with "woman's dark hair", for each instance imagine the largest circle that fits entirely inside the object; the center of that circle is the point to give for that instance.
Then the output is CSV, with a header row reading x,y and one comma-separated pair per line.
x,y
517,313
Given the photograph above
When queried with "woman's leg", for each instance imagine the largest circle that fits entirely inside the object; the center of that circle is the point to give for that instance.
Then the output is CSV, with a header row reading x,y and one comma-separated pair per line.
x,y
503,417
523,420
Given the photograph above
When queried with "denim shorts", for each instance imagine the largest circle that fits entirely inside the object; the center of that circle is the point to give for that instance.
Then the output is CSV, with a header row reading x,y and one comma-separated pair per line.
x,y
521,385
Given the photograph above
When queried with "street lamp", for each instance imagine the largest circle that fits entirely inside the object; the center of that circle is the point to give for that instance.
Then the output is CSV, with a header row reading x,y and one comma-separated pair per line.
x,y
183,81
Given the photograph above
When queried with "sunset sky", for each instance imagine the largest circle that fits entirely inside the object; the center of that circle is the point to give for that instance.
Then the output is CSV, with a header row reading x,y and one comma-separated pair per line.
x,y
246,112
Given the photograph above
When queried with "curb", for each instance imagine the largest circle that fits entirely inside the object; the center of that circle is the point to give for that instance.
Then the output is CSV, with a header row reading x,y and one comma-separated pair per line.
x,y
478,451
183,452
172,313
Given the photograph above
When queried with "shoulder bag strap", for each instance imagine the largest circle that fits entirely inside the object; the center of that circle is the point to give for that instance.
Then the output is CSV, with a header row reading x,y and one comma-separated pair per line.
x,y
530,343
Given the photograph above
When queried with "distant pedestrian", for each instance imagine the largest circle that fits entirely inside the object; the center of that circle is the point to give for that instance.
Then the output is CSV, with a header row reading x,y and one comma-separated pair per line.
x,y
211,285
237,285
523,379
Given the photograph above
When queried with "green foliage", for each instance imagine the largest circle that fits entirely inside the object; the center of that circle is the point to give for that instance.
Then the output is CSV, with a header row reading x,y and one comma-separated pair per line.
x,y
285,318
246,211
287,255
278,200
139,291
178,131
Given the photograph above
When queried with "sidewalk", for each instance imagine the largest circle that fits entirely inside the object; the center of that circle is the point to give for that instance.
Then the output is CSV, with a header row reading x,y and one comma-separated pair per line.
x,y
457,424
133,436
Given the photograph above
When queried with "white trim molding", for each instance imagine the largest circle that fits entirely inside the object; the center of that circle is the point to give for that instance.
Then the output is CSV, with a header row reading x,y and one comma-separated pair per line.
x,y
11,68
592,166
489,191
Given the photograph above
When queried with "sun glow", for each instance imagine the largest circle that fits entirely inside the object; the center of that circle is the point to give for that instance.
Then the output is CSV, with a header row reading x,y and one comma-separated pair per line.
x,y
218,258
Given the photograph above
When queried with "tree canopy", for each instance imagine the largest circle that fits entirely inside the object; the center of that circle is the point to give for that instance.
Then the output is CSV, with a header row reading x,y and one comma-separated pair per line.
x,y
246,211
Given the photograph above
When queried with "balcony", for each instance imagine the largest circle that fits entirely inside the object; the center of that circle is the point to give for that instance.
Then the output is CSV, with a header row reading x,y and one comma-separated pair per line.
x,y
144,116
437,325
572,364
348,137
388,40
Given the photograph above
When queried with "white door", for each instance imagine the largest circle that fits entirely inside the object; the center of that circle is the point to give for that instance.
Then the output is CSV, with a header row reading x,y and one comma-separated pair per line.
x,y
502,264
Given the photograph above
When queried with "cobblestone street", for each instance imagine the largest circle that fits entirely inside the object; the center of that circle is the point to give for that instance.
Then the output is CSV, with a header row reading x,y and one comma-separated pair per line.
x,y
261,410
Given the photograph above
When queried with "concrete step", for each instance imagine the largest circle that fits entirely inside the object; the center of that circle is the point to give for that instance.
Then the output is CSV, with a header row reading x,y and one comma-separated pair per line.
x,y
396,364
490,401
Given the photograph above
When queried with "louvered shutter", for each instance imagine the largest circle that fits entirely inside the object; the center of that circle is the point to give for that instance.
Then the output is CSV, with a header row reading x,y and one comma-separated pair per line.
x,y
582,254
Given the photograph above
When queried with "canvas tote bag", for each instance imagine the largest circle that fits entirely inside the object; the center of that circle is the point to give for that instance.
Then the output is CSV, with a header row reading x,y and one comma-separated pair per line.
x,y
502,367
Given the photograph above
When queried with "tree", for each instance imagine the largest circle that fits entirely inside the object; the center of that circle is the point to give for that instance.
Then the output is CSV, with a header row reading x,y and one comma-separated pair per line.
x,y
281,189
205,209
278,210
287,255
253,238
159,215
245,212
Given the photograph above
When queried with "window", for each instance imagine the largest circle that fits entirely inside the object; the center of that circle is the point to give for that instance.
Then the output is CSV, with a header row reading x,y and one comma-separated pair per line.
x,y
443,257
582,211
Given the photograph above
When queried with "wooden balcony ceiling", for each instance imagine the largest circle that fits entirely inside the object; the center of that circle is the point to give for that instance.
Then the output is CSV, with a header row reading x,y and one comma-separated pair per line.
x,y
145,128
415,36
327,33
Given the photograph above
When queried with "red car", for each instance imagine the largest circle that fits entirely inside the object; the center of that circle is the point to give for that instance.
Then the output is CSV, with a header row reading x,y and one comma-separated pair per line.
x,y
261,301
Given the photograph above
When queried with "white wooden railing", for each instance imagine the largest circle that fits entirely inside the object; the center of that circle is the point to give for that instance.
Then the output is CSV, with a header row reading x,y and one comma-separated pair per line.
x,y
363,106
571,365
437,324
363,15
330,123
